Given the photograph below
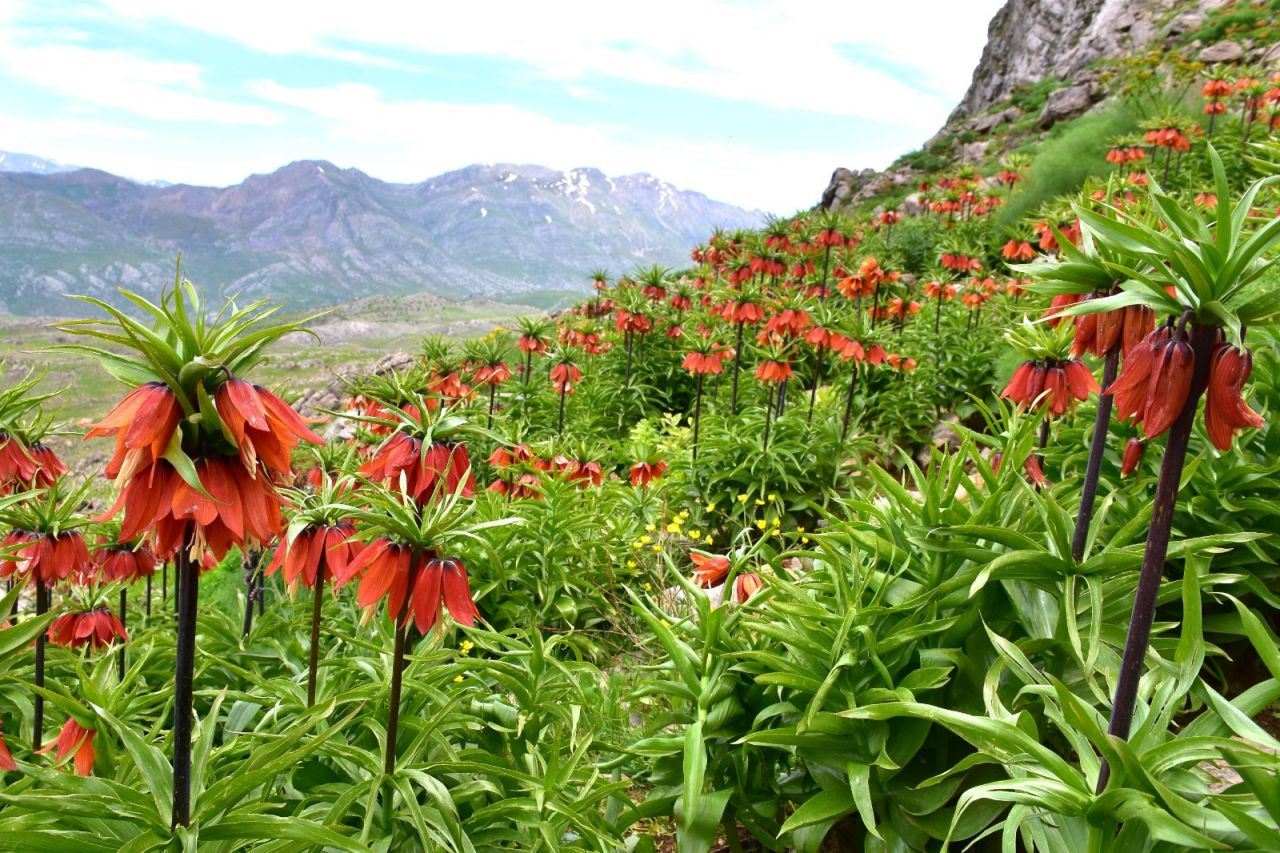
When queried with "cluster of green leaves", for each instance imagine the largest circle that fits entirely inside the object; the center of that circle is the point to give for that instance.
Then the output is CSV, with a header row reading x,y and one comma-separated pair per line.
x,y
944,670
501,742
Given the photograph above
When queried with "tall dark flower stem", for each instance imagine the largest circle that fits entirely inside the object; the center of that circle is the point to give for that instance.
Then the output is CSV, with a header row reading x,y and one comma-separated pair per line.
x,y
560,423
42,607
1203,339
737,366
937,314
493,390
187,584
782,397
250,592
817,380
528,366
1097,446
697,414
630,341
826,263
397,670
316,607
848,403
177,587
768,417
164,582
148,596
124,604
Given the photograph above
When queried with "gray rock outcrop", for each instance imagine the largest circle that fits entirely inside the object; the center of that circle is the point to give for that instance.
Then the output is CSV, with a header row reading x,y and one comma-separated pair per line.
x,y
1029,40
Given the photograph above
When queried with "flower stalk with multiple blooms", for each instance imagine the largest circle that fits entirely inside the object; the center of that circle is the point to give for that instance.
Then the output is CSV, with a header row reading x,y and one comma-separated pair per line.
x,y
45,547
199,451
1193,268
413,505
318,547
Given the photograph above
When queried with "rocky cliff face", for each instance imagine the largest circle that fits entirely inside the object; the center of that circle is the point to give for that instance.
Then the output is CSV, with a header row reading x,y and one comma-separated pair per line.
x,y
1033,40
1029,40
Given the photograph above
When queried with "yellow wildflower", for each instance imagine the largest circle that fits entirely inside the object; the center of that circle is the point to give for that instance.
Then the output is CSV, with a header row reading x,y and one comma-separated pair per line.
x,y
761,524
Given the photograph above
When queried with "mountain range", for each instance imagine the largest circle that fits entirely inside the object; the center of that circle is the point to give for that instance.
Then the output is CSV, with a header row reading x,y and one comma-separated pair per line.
x,y
311,233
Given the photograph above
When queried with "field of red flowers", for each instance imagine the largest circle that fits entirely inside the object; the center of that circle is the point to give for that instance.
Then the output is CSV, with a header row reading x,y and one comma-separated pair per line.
x,y
894,532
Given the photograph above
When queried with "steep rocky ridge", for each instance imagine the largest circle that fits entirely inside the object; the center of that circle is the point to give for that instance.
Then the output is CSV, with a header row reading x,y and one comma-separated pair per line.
x,y
1029,40
1045,62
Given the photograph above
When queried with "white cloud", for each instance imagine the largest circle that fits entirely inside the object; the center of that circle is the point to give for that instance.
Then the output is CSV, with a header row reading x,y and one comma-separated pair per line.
x,y
160,90
42,136
153,118
782,54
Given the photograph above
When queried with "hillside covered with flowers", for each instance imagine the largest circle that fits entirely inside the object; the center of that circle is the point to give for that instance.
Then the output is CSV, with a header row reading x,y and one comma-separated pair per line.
x,y
943,518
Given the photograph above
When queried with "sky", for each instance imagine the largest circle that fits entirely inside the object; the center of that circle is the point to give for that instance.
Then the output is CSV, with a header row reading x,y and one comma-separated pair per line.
x,y
753,103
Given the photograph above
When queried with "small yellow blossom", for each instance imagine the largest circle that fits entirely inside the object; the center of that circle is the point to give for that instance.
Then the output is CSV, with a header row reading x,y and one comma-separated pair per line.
x,y
637,544
645,540
457,679
709,538
759,502
647,586
673,527
711,507
804,539
761,524
683,514
799,529
742,498
777,522
651,527
772,498
466,646
657,548
695,534
631,564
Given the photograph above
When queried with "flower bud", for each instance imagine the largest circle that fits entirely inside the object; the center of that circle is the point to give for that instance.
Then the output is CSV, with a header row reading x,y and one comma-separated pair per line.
x,y
1133,450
